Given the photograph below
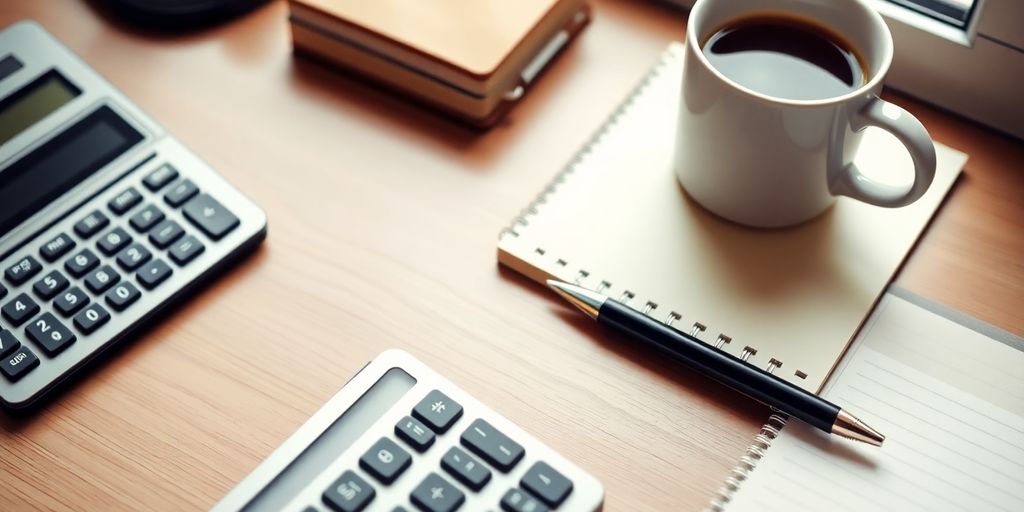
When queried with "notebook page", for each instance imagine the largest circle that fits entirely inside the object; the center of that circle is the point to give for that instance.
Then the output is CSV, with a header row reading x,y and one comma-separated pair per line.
x,y
950,401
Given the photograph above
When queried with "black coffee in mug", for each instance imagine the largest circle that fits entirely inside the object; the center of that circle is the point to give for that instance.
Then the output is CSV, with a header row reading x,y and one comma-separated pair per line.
x,y
785,57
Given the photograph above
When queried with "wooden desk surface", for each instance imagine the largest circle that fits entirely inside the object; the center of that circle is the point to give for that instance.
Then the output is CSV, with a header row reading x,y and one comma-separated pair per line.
x,y
383,222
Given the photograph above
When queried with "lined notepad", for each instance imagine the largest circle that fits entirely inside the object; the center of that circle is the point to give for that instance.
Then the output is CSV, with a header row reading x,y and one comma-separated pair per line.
x,y
950,401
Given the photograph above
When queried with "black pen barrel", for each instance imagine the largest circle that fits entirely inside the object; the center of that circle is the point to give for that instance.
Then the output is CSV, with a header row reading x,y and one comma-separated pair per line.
x,y
721,366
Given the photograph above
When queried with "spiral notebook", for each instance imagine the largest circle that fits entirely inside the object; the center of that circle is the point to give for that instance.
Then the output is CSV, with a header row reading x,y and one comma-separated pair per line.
x,y
946,390
788,300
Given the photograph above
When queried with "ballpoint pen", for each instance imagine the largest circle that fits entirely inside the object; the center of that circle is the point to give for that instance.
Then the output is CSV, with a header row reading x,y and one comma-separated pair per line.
x,y
721,366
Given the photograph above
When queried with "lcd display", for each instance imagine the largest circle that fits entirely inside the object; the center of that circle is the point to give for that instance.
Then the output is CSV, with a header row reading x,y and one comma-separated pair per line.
x,y
31,103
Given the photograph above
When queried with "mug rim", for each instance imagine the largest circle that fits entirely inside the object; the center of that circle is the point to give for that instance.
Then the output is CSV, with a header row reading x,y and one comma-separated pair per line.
x,y
694,45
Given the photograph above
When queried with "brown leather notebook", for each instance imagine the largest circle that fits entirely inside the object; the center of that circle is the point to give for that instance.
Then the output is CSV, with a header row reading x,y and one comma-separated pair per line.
x,y
470,58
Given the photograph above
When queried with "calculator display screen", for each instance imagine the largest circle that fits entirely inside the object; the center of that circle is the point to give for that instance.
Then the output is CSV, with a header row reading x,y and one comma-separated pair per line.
x,y
62,162
33,102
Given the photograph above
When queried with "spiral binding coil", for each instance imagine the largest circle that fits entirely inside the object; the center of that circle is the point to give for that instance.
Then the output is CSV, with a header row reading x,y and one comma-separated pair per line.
x,y
755,452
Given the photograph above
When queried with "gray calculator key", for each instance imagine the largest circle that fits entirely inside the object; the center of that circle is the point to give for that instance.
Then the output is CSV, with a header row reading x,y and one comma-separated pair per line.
x,y
113,241
3,291
385,460
435,494
146,218
91,318
516,500
19,309
414,433
47,332
69,302
8,342
23,270
348,493
57,246
125,201
210,216
153,273
186,250
165,233
91,224
133,256
83,261
123,295
50,285
465,468
438,411
102,279
159,178
494,447
181,192
547,484
16,364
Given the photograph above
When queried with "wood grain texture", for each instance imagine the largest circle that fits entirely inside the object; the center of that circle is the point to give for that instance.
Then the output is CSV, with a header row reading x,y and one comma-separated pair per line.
x,y
383,222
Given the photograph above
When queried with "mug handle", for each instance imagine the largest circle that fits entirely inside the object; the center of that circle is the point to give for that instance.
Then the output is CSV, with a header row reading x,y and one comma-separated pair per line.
x,y
909,131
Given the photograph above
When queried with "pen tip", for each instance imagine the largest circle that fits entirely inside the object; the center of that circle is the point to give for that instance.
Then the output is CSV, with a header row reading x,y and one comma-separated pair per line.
x,y
587,301
849,426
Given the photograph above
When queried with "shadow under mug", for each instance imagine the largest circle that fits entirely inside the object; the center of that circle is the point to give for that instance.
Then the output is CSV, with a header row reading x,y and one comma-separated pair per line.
x,y
765,161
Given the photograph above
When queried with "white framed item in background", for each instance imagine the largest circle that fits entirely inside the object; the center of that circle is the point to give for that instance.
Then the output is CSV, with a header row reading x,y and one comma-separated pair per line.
x,y
966,56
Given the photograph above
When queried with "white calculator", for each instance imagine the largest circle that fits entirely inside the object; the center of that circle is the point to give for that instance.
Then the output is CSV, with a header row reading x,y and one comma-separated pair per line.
x,y
400,437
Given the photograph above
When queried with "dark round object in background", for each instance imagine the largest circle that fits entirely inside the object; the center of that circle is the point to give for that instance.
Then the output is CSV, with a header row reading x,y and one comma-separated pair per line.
x,y
178,14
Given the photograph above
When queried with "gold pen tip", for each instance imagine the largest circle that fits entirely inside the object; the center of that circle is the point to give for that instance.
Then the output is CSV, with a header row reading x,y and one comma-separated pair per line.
x,y
850,427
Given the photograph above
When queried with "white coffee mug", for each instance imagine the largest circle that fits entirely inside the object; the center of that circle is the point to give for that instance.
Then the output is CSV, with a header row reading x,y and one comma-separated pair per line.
x,y
770,162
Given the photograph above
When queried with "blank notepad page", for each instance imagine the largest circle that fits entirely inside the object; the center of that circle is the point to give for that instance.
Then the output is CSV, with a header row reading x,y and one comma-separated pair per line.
x,y
950,401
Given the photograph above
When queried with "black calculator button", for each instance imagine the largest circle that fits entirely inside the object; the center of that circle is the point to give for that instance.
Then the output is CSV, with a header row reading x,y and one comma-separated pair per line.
x,y
82,262
47,332
57,247
181,192
133,256
8,342
50,285
91,224
399,509
348,493
385,460
19,309
153,273
516,500
123,295
547,484
414,433
91,318
494,447
114,241
146,218
435,494
210,216
3,291
465,468
125,201
165,233
16,364
101,279
159,178
69,302
23,270
438,411
186,250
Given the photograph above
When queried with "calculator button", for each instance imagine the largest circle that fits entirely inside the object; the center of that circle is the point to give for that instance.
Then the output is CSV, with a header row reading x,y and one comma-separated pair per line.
x,y
8,342
3,291
91,318
50,285
159,178
348,493
15,365
547,484
385,460
123,295
57,247
102,279
82,262
186,249
181,192
414,433
435,494
19,309
47,332
91,224
465,468
516,500
146,218
114,241
133,256
153,273
493,446
210,216
22,270
165,233
125,201
438,411
71,301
